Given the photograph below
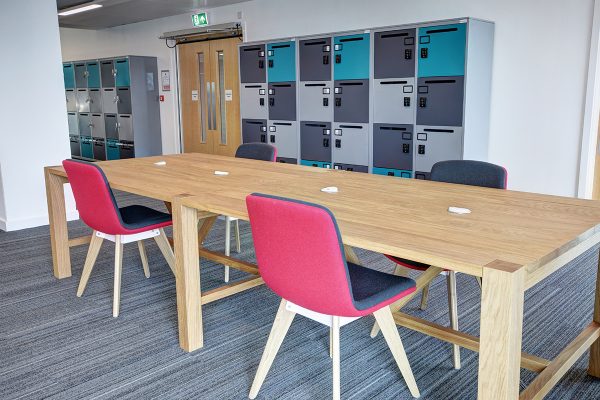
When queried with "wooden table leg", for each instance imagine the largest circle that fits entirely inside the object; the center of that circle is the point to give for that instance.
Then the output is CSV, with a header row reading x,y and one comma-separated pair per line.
x,y
501,331
351,255
57,216
594,363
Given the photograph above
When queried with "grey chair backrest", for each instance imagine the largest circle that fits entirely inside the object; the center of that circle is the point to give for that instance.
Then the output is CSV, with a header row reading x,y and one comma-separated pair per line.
x,y
257,151
467,172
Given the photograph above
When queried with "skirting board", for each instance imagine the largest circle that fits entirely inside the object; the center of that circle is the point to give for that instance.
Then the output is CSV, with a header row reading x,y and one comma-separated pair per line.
x,y
31,222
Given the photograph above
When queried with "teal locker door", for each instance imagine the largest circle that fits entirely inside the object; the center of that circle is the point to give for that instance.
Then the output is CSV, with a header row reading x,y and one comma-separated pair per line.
x,y
112,149
87,147
122,70
442,50
351,57
93,70
281,61
69,76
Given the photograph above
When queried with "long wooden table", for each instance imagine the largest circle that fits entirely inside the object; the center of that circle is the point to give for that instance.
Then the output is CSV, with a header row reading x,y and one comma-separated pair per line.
x,y
512,240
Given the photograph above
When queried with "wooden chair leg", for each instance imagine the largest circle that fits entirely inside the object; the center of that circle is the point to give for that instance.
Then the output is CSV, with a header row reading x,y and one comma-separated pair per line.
x,y
118,268
424,297
335,343
282,323
227,244
392,337
144,258
165,249
238,242
453,312
90,260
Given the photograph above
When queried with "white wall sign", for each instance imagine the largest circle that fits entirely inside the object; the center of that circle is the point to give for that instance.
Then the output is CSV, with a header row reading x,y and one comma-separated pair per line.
x,y
228,95
194,95
165,80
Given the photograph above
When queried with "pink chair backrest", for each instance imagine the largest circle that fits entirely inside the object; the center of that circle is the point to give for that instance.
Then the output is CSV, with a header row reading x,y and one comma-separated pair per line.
x,y
95,201
300,254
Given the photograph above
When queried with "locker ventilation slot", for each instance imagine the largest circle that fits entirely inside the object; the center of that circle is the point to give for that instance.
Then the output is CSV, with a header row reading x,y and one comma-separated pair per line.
x,y
282,123
351,126
351,84
391,128
392,35
121,62
442,81
315,43
280,46
443,30
282,85
316,125
394,83
254,122
106,63
313,84
252,49
351,39
439,130
252,86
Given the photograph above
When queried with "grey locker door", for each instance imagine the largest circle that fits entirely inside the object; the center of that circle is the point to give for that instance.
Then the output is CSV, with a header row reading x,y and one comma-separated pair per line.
x,y
71,96
111,126
440,101
392,146
85,128
125,127
123,101
252,64
254,130
282,101
394,101
351,101
80,75
97,121
95,100
253,101
75,148
107,73
73,122
351,143
83,100
99,149
315,59
284,136
394,54
315,101
109,100
433,144
315,141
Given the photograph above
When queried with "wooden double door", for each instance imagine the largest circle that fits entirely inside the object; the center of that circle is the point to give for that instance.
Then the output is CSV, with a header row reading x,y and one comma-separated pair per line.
x,y
209,90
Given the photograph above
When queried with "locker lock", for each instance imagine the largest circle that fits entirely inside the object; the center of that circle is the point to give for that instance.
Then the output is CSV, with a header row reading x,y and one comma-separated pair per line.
x,y
272,139
424,52
406,148
422,102
421,149
271,101
407,102
261,101
270,63
338,58
325,102
408,54
326,142
338,101
263,138
326,59
261,64
338,143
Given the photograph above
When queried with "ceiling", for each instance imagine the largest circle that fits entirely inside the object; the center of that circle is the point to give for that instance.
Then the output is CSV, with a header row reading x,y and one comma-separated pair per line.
x,y
123,12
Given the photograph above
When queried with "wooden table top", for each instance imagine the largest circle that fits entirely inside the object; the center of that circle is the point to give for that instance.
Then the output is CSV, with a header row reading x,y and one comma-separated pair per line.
x,y
404,217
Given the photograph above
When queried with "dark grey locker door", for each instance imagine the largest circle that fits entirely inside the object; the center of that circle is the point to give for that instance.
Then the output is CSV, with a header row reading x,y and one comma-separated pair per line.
x,y
127,149
85,128
111,126
125,127
95,100
97,121
254,130
80,76
315,141
315,59
75,149
71,100
282,101
107,73
394,54
123,101
351,101
440,101
99,149
252,64
109,103
392,146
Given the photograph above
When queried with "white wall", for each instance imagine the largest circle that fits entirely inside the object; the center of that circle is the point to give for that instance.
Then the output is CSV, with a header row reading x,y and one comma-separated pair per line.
x,y
32,109
540,65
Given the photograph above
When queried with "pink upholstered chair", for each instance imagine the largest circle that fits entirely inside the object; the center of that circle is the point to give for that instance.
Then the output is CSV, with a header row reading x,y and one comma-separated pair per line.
x,y
301,258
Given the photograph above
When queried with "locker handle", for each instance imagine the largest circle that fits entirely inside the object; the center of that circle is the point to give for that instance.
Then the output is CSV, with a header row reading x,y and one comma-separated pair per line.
x,y
263,138
325,142
338,143
272,139
271,63
338,101
261,64
326,59
338,58
271,101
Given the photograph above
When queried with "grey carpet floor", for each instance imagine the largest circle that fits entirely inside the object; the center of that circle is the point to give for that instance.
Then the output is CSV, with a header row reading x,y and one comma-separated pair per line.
x,y
55,345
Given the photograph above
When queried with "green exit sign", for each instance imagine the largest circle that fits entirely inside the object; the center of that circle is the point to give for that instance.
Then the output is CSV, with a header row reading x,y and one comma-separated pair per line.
x,y
200,19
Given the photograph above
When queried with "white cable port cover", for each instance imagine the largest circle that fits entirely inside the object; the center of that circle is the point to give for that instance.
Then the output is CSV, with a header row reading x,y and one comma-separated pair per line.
x,y
330,189
221,173
160,163
459,210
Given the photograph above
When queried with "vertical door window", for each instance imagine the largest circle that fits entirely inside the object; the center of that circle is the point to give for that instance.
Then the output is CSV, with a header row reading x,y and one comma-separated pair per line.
x,y
221,69
202,96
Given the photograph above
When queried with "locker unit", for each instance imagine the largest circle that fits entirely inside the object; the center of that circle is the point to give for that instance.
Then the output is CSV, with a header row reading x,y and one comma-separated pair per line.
x,y
442,50
350,144
315,101
394,100
284,136
87,147
69,75
75,147
394,54
440,101
99,149
83,100
254,130
81,75
112,149
433,144
97,126
252,64
351,57
351,101
315,143
392,146
111,126
282,101
73,122
253,101
71,97
107,73
315,59
281,61
93,74
95,100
